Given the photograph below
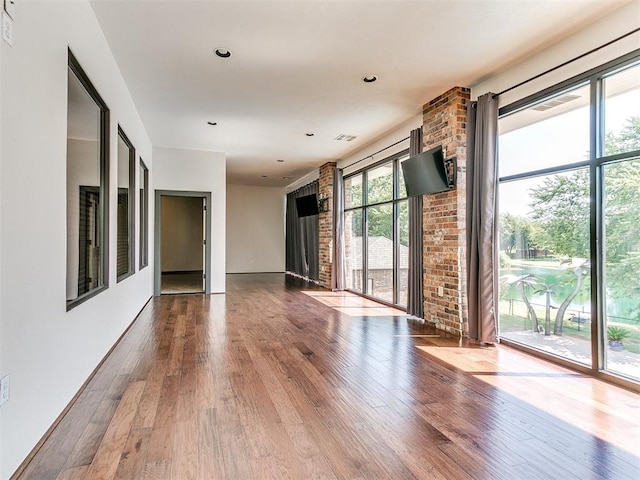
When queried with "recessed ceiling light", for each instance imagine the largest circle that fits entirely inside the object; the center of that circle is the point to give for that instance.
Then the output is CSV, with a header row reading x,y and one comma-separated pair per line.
x,y
280,160
369,78
213,124
309,134
223,52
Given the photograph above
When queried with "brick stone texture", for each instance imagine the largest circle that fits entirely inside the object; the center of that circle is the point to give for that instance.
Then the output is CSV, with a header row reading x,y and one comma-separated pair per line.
x,y
325,189
444,123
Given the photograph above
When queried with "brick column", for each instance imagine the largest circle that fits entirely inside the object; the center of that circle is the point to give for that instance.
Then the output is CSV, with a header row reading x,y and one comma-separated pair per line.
x,y
444,214
326,223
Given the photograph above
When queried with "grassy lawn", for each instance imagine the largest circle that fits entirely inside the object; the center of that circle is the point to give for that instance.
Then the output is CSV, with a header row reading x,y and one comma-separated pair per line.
x,y
518,322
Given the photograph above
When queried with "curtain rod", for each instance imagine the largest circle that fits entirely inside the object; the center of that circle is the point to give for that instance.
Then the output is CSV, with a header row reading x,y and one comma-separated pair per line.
x,y
304,186
535,77
375,153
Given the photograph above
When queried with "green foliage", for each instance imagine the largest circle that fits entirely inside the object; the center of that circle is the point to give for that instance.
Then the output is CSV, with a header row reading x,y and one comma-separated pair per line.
x,y
379,189
516,233
627,140
561,209
380,218
623,279
617,334
380,221
561,216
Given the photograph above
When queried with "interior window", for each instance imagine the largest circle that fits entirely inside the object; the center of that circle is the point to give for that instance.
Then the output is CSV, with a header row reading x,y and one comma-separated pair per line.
x,y
144,214
126,176
87,187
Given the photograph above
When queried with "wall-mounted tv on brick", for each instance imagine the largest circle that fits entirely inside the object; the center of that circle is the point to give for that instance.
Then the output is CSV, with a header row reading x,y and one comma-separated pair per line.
x,y
307,205
425,173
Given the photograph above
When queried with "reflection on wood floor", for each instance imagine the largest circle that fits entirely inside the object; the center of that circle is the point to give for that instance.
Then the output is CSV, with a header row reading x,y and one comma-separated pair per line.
x,y
270,382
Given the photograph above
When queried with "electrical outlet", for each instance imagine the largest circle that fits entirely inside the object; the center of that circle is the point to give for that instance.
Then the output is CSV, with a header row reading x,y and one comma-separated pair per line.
x,y
440,292
4,390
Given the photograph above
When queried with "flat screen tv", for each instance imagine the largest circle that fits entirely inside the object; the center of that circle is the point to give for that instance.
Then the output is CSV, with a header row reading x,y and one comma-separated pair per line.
x,y
307,205
425,173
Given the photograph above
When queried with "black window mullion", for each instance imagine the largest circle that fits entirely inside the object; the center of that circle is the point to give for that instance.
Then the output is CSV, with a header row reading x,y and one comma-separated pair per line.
x,y
595,224
396,230
365,235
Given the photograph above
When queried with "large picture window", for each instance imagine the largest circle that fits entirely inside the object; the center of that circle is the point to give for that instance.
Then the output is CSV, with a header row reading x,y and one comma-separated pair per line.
x,y
87,187
376,232
569,162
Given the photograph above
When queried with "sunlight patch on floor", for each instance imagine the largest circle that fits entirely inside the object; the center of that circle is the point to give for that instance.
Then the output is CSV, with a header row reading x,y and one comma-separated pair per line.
x,y
354,305
567,393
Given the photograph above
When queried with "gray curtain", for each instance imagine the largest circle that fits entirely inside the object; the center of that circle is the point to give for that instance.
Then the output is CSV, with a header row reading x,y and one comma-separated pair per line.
x,y
337,272
302,237
415,305
482,225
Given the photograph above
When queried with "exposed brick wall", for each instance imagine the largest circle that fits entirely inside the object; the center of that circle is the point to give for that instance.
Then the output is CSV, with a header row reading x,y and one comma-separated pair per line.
x,y
325,189
444,123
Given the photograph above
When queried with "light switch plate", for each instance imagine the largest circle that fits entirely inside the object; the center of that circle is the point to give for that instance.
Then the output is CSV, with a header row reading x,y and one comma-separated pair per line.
x,y
7,28
10,8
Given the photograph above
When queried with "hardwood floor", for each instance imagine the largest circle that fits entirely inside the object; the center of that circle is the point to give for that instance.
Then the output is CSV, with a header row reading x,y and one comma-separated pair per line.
x,y
281,380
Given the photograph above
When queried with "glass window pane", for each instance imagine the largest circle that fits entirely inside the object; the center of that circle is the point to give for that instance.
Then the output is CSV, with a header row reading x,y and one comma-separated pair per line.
x,y
622,111
622,267
403,252
144,214
86,208
544,268
353,191
380,184
380,252
402,187
549,133
353,249
124,216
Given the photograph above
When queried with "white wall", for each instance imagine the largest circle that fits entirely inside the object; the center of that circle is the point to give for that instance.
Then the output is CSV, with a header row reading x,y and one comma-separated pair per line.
x,y
182,234
2,370
255,229
364,156
48,351
196,171
398,134
608,28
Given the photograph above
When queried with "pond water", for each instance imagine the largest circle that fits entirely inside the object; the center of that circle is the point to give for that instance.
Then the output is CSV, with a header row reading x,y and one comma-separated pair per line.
x,y
563,282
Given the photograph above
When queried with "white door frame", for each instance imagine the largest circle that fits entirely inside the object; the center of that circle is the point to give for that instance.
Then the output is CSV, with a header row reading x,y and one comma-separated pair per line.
x,y
157,277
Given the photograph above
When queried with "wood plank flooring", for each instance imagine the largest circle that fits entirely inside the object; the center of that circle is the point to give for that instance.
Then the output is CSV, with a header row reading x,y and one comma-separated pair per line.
x,y
269,382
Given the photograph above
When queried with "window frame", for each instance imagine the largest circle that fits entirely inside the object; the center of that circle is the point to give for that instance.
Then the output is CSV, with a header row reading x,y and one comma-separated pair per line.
x,y
131,207
103,214
395,161
143,246
596,162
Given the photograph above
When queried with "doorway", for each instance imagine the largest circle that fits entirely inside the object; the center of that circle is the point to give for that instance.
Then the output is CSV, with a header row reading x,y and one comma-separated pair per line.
x,y
182,252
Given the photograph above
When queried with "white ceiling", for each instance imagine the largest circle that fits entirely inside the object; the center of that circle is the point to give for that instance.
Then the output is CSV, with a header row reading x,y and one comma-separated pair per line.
x,y
297,66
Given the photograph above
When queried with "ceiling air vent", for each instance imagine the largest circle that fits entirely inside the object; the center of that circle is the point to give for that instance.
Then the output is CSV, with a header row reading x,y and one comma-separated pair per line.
x,y
554,102
346,138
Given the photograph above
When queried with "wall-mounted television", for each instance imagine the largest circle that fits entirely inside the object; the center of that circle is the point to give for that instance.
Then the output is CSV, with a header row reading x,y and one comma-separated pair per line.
x,y
425,173
307,205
